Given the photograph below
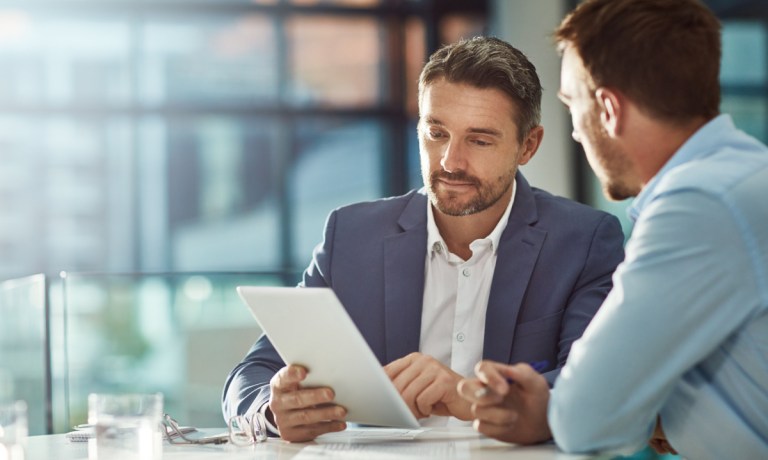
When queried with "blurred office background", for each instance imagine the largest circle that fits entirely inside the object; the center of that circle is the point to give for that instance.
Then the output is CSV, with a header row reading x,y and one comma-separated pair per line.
x,y
162,151
176,135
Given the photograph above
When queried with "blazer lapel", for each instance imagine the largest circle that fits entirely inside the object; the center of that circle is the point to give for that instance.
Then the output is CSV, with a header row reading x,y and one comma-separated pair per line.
x,y
404,256
519,248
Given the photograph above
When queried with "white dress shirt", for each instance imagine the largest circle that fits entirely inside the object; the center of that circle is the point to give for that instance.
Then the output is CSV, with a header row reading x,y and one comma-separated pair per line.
x,y
455,300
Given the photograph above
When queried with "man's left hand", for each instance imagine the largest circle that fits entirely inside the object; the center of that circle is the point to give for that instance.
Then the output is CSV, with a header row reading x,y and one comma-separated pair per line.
x,y
509,403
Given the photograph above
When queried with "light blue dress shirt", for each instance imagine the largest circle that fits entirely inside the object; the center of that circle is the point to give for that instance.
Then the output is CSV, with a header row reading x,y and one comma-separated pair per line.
x,y
684,332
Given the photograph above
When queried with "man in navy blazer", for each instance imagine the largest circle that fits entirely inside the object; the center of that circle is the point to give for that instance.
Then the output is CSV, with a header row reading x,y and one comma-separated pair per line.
x,y
476,265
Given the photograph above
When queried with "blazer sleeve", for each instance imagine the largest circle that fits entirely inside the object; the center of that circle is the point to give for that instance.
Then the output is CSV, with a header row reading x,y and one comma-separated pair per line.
x,y
606,251
318,274
247,386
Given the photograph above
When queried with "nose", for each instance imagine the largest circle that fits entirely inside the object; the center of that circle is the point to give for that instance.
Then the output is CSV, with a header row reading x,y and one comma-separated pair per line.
x,y
453,157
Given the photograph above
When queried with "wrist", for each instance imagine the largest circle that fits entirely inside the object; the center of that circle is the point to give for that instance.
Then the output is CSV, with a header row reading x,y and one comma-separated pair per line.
x,y
269,418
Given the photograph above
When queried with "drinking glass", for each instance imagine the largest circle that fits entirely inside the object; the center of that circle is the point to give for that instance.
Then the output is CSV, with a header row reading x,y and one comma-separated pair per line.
x,y
13,430
126,426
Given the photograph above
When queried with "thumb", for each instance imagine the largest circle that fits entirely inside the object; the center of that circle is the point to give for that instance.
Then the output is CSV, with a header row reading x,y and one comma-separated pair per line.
x,y
523,376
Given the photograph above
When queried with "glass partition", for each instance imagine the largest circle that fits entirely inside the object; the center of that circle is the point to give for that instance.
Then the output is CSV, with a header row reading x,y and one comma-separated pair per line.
x,y
177,333
23,346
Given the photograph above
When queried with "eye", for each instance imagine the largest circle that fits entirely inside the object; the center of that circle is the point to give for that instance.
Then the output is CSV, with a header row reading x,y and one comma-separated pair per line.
x,y
435,134
481,142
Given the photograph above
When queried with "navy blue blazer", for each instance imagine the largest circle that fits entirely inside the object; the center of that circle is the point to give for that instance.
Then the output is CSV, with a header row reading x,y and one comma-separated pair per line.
x,y
553,270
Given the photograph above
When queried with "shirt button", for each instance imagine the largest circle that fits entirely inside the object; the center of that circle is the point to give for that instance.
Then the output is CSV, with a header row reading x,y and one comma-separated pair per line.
x,y
460,337
437,247
466,272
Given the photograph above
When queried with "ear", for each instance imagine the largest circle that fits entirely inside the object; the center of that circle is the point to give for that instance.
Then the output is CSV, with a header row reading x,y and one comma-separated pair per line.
x,y
531,144
611,110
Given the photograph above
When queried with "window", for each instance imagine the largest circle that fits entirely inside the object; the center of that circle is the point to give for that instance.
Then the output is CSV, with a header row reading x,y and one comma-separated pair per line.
x,y
744,74
209,135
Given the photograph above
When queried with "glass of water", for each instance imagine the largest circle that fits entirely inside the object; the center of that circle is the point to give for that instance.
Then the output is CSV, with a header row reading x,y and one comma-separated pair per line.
x,y
126,426
13,429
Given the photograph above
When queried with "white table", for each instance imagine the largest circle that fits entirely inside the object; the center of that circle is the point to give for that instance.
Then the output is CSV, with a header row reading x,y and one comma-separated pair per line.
x,y
442,443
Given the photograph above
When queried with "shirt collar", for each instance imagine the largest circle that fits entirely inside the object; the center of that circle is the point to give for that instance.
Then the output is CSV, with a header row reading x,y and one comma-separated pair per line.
x,y
433,233
699,145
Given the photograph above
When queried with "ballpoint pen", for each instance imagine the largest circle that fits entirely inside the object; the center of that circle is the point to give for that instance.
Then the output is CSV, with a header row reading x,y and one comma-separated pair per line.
x,y
538,366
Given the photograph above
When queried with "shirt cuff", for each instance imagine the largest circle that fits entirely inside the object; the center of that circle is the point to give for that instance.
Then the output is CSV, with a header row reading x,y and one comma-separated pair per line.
x,y
270,427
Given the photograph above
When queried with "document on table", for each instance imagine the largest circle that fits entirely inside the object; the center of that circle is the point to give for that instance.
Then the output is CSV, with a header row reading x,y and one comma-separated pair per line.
x,y
374,434
381,443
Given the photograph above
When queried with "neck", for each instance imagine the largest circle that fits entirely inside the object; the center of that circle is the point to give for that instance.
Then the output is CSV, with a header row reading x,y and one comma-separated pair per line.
x,y
657,141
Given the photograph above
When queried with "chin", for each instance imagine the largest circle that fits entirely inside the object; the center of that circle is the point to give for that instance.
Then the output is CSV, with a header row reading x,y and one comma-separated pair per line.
x,y
619,192
453,207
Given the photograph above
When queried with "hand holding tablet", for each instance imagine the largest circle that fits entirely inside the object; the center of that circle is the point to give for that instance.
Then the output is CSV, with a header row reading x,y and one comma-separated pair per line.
x,y
309,327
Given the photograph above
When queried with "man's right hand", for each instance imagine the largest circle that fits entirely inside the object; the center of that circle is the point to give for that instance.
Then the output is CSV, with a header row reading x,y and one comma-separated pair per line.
x,y
302,414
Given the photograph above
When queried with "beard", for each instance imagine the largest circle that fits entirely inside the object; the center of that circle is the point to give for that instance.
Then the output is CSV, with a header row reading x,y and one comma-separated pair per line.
x,y
452,204
610,164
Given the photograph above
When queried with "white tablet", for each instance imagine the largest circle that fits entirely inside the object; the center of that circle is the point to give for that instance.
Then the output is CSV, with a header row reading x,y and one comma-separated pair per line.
x,y
310,327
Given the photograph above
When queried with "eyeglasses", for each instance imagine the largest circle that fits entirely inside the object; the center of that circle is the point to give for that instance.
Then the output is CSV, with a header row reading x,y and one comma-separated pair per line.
x,y
241,431
244,431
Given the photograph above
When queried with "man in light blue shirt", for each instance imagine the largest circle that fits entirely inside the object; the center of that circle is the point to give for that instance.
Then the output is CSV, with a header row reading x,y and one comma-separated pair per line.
x,y
678,353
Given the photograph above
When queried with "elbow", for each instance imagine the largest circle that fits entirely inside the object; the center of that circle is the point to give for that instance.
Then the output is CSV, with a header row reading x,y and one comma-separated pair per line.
x,y
577,432
228,400
573,438
574,441
578,440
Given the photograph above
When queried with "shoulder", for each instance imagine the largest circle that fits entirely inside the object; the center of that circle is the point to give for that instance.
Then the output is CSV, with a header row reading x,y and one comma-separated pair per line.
x,y
731,175
723,193
558,209
384,215
382,208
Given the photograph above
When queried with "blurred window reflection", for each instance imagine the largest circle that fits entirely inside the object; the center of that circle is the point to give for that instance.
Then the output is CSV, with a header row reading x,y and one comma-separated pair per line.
x,y
24,372
749,113
338,163
745,53
213,60
63,59
164,135
744,75
335,60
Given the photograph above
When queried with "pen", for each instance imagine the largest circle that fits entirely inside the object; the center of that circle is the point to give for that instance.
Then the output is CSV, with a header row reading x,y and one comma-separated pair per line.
x,y
538,366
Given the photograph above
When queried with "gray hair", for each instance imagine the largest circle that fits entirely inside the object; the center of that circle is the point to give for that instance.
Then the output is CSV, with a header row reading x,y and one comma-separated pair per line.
x,y
487,62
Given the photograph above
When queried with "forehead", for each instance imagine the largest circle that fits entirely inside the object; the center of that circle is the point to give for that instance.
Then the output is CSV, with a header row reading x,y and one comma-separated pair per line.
x,y
573,75
460,103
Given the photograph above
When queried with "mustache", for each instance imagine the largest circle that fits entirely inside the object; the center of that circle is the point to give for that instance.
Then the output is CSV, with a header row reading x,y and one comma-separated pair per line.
x,y
458,176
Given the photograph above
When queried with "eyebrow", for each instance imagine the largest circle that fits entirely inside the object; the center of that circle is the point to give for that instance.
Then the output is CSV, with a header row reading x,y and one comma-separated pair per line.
x,y
488,131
